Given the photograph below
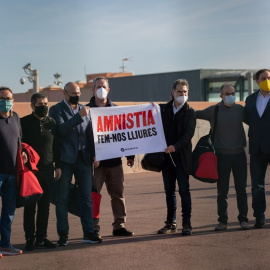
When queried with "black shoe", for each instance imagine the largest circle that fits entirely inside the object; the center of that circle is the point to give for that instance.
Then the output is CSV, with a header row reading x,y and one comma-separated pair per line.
x,y
122,232
97,234
63,240
259,223
91,238
44,243
187,229
29,245
168,228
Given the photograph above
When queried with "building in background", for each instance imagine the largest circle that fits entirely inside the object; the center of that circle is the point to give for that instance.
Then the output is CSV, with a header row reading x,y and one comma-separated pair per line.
x,y
204,85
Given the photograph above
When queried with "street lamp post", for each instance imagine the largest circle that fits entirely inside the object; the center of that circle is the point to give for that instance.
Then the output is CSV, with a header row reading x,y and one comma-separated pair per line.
x,y
33,77
35,81
57,77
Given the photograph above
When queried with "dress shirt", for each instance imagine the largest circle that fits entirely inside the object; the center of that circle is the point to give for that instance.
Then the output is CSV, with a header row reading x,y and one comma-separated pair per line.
x,y
261,103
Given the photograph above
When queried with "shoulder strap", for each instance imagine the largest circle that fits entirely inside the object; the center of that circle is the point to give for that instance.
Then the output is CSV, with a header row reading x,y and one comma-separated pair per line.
x,y
215,122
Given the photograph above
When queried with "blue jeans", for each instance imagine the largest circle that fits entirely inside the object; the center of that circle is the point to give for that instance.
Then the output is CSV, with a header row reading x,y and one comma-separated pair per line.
x,y
258,167
8,191
83,178
237,163
170,175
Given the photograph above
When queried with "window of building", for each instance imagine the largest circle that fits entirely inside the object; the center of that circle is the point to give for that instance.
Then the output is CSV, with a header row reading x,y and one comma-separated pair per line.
x,y
240,84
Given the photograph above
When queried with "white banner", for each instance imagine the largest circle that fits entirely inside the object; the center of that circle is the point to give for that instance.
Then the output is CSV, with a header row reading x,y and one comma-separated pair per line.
x,y
127,130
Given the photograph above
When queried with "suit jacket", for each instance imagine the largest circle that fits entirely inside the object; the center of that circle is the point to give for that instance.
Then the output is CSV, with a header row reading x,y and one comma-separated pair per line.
x,y
186,119
73,129
259,127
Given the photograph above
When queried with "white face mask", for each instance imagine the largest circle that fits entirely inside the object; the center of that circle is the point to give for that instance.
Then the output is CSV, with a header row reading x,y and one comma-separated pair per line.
x,y
181,99
102,93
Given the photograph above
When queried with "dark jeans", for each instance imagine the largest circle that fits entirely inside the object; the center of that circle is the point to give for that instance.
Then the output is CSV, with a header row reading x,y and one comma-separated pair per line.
x,y
45,179
8,191
258,167
83,177
237,163
170,175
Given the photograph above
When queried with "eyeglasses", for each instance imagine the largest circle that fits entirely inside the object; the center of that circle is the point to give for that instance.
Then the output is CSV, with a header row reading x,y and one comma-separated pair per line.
x,y
229,94
2,98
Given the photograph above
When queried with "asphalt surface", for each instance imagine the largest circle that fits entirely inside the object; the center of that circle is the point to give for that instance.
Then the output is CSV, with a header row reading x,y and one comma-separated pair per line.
x,y
205,249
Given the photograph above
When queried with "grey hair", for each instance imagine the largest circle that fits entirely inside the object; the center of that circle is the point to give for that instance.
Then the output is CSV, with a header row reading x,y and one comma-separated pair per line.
x,y
100,78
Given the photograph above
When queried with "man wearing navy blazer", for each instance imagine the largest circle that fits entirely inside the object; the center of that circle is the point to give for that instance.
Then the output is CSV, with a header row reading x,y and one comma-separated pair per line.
x,y
76,156
258,117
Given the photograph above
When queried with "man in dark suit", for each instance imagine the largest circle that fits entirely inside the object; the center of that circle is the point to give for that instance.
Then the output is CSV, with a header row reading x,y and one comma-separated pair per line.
x,y
258,117
76,157
179,123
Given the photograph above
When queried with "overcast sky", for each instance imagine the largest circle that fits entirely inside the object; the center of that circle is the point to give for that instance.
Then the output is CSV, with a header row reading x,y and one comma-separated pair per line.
x,y
71,37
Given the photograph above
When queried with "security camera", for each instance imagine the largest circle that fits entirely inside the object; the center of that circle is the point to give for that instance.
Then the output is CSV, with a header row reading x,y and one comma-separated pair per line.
x,y
22,80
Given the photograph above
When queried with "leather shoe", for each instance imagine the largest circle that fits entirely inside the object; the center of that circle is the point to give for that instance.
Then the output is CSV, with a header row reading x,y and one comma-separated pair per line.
x,y
259,223
122,232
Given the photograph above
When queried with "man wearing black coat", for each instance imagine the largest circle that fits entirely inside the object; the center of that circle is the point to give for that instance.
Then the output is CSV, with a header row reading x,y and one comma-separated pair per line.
x,y
39,131
179,123
258,118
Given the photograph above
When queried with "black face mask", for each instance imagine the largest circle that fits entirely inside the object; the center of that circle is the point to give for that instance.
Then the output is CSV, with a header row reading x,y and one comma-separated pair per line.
x,y
41,111
73,100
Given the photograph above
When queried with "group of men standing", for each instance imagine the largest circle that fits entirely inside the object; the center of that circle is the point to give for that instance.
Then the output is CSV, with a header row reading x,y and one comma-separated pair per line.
x,y
229,143
64,142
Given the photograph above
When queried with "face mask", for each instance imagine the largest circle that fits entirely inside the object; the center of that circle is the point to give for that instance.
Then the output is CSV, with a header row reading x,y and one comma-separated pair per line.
x,y
73,100
181,99
265,85
41,111
229,100
5,105
102,93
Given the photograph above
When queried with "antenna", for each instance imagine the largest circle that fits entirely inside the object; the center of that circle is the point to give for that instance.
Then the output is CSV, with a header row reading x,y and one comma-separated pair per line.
x,y
123,68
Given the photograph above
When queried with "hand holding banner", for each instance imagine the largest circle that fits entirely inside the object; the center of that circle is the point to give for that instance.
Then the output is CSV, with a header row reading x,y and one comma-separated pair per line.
x,y
127,130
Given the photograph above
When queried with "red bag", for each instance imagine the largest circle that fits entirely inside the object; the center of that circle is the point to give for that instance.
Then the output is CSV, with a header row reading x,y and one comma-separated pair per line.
x,y
207,167
29,189
29,184
96,198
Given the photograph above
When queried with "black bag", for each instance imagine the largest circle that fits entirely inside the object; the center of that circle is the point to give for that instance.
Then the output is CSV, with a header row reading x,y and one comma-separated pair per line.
x,y
74,206
153,161
205,146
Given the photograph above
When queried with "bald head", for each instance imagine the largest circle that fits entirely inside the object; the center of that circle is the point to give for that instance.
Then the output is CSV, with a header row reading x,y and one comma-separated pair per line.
x,y
226,87
71,87
72,93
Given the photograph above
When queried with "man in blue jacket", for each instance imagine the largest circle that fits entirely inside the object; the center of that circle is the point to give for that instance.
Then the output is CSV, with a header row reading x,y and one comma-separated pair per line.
x,y
76,156
258,117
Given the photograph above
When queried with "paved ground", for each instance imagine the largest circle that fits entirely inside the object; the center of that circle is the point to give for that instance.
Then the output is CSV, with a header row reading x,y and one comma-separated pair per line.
x,y
205,249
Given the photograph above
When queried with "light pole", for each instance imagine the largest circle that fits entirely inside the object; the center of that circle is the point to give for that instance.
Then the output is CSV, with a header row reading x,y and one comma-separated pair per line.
x,y
33,77
57,77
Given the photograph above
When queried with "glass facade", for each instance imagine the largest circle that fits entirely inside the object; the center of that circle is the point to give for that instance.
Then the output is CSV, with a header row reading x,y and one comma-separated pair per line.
x,y
241,86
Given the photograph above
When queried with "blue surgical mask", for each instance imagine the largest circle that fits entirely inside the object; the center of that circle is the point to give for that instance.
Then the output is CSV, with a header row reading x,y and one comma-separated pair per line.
x,y
229,100
5,105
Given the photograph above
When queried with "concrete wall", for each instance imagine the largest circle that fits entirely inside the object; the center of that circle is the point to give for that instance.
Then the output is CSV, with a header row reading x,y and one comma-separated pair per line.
x,y
202,127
